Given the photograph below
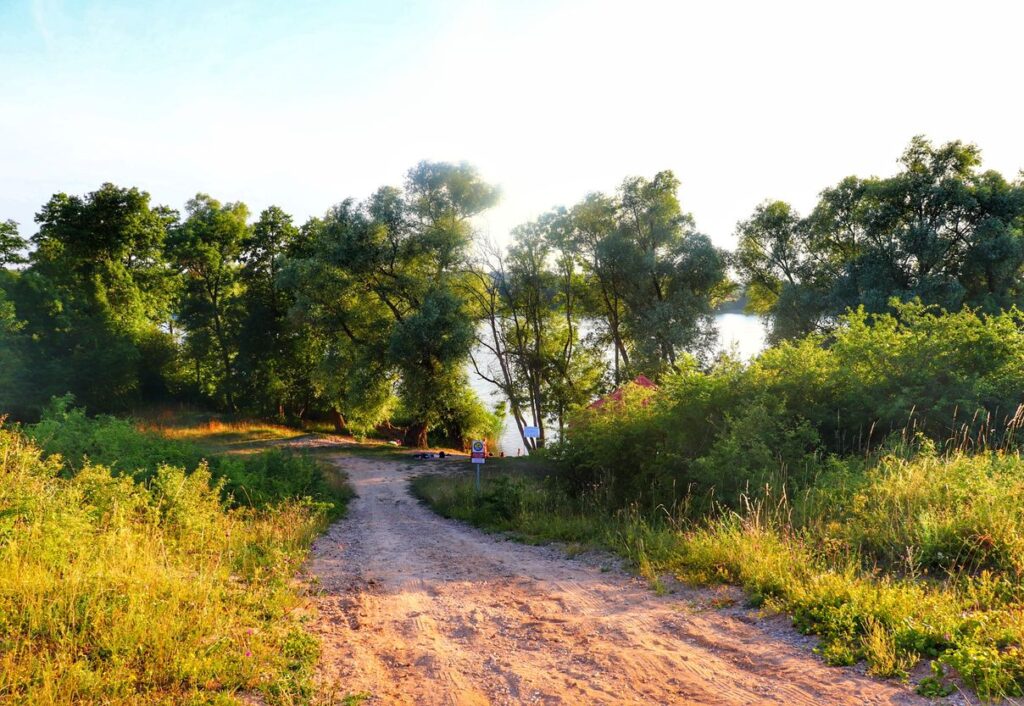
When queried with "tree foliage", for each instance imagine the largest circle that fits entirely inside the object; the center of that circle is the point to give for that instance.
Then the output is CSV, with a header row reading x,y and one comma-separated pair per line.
x,y
940,230
373,313
653,279
93,300
530,343
380,283
206,249
12,245
713,435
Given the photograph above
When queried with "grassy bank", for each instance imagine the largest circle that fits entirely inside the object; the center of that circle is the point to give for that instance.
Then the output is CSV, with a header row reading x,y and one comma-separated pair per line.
x,y
897,562
134,572
250,472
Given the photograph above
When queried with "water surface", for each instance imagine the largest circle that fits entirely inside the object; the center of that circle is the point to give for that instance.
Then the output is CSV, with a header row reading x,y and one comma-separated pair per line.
x,y
741,333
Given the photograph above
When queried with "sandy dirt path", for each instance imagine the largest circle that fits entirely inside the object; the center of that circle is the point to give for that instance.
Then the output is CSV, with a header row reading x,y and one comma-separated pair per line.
x,y
416,609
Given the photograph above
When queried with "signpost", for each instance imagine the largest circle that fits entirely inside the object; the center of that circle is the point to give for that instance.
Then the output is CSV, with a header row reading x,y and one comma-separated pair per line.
x,y
478,454
531,432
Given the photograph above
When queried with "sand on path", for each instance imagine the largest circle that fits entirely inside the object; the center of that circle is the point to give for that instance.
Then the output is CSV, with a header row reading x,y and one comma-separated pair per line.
x,y
416,609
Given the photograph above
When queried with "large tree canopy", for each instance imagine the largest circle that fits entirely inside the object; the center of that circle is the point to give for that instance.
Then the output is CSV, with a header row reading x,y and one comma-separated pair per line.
x,y
206,249
374,313
94,298
940,230
380,283
654,279
12,245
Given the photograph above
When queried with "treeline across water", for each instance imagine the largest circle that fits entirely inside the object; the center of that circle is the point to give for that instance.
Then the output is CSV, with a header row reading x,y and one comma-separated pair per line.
x,y
370,314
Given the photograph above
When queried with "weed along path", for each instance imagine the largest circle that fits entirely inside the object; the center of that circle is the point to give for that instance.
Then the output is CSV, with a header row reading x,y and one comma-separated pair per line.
x,y
416,609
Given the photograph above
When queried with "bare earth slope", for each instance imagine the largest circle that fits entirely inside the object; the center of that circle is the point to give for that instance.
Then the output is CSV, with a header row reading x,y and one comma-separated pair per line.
x,y
416,609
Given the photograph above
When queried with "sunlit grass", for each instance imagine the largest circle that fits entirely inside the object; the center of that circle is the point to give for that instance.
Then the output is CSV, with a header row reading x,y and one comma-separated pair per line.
x,y
916,560
224,436
121,592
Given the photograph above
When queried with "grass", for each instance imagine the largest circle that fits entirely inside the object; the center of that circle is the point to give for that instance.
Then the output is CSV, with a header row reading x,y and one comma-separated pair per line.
x,y
133,571
223,437
256,475
911,561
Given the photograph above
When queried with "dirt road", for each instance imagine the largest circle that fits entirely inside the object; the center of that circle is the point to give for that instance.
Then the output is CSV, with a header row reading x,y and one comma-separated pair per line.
x,y
415,609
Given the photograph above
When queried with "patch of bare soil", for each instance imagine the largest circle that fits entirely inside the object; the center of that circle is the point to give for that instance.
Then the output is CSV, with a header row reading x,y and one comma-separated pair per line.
x,y
416,609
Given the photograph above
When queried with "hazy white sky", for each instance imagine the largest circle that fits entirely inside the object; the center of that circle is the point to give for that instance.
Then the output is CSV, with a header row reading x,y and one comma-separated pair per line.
x,y
306,102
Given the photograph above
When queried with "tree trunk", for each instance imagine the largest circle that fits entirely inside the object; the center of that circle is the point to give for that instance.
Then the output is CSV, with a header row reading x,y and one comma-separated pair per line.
x,y
338,420
416,435
225,356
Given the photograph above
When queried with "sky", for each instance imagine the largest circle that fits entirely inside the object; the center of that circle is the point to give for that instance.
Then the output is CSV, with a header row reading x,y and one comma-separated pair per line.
x,y
303,103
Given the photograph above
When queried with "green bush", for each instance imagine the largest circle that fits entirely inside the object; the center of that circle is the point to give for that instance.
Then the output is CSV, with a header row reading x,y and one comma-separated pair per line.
x,y
257,479
940,514
504,498
956,379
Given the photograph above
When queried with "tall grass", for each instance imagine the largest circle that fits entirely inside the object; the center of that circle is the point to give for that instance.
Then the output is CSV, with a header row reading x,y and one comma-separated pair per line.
x,y
149,582
116,591
223,435
912,559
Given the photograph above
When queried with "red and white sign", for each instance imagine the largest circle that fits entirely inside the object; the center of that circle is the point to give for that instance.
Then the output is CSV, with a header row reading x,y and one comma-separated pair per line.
x,y
478,451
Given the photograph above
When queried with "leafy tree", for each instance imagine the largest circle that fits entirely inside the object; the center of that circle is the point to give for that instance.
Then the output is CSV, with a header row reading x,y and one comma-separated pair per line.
x,y
440,199
107,248
430,347
940,230
527,303
13,372
775,258
11,244
272,369
95,298
206,248
593,222
654,279
348,326
15,394
675,275
380,282
578,364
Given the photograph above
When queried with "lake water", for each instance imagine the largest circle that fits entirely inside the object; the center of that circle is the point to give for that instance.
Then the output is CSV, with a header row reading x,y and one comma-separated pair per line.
x,y
742,333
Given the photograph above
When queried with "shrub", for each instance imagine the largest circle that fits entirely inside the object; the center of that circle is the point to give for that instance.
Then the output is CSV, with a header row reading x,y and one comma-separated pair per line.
x,y
946,514
956,379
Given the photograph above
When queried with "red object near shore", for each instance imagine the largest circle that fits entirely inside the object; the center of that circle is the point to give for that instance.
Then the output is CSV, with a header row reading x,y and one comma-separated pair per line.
x,y
616,394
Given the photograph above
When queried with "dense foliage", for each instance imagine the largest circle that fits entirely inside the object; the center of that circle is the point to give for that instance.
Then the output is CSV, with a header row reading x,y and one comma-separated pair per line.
x,y
624,280
123,303
941,231
954,378
368,315
255,480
